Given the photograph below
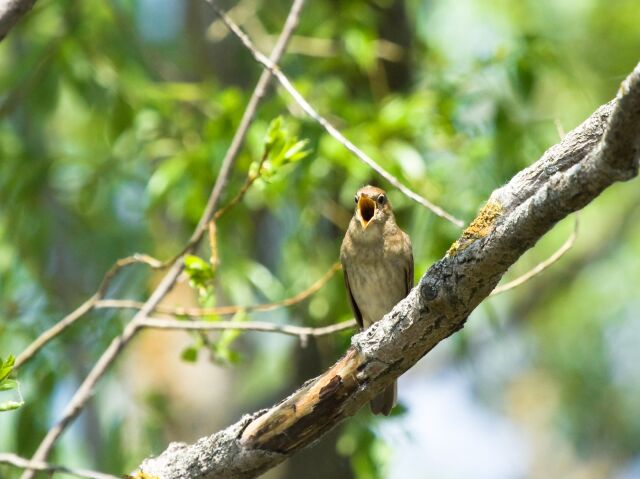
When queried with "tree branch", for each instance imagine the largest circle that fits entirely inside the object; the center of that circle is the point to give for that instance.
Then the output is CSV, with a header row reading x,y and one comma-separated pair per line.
x,y
603,150
302,332
10,12
21,462
249,114
540,267
227,310
85,307
85,390
332,130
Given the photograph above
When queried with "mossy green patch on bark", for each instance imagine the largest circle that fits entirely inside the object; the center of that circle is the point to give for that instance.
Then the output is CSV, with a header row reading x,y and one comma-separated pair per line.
x,y
480,227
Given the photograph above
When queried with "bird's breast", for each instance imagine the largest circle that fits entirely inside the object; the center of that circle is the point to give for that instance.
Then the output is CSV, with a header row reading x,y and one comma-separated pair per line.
x,y
377,283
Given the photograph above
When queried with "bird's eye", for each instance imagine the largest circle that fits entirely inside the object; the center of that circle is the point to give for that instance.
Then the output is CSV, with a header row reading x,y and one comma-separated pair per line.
x,y
356,199
382,200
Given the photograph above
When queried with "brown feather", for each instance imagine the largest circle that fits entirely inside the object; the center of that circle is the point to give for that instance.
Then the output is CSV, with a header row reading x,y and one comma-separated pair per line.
x,y
352,302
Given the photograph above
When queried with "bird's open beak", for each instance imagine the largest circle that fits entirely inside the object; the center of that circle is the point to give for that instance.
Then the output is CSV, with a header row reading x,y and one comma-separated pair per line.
x,y
367,208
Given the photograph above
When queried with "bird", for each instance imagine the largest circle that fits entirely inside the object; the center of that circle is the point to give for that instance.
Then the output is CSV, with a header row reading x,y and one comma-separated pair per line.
x,y
377,262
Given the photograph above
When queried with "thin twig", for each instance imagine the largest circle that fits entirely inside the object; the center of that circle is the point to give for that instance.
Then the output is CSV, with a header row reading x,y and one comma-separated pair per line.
x,y
55,330
251,178
137,258
245,122
23,463
211,225
85,307
566,246
84,392
224,310
333,131
326,48
303,332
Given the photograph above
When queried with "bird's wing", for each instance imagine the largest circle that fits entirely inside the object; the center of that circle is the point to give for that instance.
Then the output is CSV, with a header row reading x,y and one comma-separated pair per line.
x,y
410,274
409,265
352,301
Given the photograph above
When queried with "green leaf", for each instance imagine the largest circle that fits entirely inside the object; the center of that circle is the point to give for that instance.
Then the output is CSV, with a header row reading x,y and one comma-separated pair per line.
x,y
10,405
190,354
8,384
222,349
274,133
281,148
196,263
6,367
199,271
228,355
295,152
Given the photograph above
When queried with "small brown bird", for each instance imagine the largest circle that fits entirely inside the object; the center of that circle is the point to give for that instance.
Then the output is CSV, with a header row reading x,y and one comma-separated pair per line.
x,y
377,261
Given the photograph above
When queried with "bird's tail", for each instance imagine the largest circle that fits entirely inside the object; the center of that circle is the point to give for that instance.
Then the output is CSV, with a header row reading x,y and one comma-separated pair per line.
x,y
384,402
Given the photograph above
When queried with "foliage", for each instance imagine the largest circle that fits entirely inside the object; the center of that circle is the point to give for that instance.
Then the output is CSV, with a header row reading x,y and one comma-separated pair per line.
x,y
116,117
7,384
280,149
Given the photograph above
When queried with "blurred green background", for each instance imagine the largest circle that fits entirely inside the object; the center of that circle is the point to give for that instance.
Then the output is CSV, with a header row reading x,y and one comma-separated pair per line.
x,y
115,117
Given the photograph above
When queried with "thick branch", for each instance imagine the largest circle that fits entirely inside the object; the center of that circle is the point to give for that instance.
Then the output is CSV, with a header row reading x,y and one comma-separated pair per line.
x,y
600,152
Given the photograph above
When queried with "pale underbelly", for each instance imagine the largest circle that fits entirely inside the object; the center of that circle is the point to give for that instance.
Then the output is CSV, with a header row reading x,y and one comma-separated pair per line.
x,y
376,290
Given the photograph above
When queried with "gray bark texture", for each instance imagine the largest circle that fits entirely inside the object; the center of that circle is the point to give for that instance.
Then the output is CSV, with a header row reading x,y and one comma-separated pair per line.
x,y
10,12
601,151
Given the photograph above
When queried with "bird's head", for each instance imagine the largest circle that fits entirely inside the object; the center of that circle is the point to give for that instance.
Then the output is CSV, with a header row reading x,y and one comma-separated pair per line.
x,y
372,207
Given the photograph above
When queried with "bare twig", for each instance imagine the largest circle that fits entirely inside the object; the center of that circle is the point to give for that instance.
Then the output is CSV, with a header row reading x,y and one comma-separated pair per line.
x,y
251,178
325,47
245,122
22,463
225,310
85,307
566,246
303,332
244,15
55,330
129,260
333,131
85,390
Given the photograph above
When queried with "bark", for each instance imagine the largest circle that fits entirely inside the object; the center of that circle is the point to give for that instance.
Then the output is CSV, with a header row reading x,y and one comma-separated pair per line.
x,y
603,150
10,12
